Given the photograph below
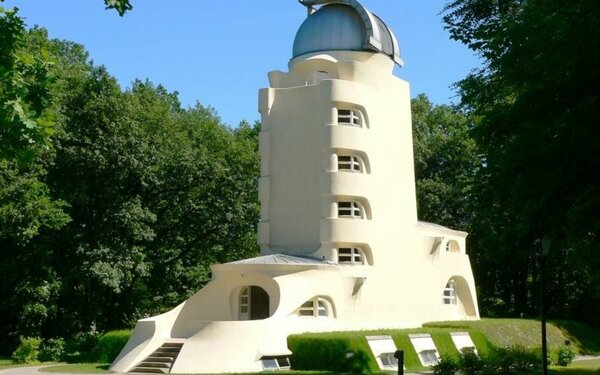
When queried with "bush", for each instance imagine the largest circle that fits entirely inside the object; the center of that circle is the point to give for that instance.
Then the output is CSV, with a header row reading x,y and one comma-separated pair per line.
x,y
447,366
331,352
511,360
514,359
80,348
28,350
316,353
53,350
470,363
110,345
565,355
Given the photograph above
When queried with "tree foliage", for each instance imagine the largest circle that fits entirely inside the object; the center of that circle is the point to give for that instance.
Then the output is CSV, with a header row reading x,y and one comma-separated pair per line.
x,y
445,163
26,117
122,217
121,6
536,104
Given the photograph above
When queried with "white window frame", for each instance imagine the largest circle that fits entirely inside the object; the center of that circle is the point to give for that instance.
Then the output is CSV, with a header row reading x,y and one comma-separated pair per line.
x,y
429,357
449,295
350,163
349,116
315,307
388,360
351,209
351,255
244,303
275,363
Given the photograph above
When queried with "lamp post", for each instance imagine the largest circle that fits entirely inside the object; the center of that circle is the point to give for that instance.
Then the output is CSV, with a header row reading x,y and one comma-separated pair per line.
x,y
546,242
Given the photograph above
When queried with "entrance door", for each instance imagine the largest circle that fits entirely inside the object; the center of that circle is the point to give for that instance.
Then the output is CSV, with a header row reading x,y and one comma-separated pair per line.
x,y
254,303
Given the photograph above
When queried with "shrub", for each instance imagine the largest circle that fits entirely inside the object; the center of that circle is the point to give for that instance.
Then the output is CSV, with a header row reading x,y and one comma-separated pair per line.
x,y
53,350
511,360
447,366
331,352
110,345
470,363
565,355
80,347
514,359
316,353
28,350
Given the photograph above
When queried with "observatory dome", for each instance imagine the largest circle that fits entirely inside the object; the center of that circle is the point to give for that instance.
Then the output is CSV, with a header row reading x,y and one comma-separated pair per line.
x,y
344,25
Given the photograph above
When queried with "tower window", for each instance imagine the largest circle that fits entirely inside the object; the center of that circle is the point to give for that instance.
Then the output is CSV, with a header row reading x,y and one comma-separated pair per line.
x,y
350,255
350,209
315,307
349,117
452,246
449,294
350,163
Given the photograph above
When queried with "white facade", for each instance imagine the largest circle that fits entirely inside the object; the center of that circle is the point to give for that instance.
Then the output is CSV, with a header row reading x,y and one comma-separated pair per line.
x,y
341,246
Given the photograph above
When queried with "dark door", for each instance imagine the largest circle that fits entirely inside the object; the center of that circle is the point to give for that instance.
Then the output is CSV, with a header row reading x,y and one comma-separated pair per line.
x,y
259,306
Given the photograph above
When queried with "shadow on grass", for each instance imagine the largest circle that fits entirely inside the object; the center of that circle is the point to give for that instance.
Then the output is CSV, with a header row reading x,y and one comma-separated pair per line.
x,y
583,336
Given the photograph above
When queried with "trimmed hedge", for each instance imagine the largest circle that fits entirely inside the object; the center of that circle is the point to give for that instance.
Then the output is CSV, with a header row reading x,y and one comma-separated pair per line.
x,y
110,345
336,352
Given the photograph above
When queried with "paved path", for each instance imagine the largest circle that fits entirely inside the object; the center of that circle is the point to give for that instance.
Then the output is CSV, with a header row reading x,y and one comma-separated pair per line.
x,y
34,371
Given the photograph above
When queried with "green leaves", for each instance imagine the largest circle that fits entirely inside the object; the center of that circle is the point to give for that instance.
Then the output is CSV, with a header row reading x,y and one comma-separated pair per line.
x,y
445,163
26,118
536,103
121,6
127,210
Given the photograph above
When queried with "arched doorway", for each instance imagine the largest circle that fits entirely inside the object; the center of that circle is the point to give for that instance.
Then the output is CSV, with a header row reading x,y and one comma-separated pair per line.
x,y
253,303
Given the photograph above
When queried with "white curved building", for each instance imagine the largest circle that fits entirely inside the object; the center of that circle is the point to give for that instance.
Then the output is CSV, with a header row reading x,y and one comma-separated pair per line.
x,y
341,245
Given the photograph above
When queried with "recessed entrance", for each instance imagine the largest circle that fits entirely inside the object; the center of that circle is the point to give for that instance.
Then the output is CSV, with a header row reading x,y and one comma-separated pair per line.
x,y
254,303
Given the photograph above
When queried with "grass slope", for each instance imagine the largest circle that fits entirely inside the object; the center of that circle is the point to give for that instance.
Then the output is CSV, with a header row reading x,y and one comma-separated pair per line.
x,y
526,332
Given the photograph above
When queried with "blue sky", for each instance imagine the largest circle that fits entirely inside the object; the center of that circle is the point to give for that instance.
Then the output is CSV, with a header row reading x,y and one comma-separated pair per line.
x,y
219,52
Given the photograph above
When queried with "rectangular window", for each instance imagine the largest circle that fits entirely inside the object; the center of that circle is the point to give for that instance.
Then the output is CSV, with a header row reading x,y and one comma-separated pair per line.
x,y
350,255
307,308
322,308
429,357
350,209
449,294
349,117
388,360
270,364
349,163
273,363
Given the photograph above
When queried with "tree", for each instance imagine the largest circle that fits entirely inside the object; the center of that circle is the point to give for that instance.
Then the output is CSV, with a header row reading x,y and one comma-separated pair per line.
x,y
121,6
445,163
536,101
124,215
26,115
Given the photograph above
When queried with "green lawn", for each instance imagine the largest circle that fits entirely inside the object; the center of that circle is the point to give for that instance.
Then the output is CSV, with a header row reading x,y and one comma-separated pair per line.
x,y
78,368
8,363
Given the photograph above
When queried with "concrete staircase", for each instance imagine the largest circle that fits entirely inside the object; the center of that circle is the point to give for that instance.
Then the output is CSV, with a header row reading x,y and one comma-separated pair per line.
x,y
160,361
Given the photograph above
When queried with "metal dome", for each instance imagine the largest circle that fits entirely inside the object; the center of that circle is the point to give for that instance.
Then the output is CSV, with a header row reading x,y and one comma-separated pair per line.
x,y
344,25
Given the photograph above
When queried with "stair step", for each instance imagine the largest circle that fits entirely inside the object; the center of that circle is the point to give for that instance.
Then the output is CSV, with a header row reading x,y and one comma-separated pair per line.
x,y
167,350
154,364
160,358
160,361
172,345
149,370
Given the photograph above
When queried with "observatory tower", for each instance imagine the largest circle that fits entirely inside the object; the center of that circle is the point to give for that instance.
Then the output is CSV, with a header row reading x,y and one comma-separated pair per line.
x,y
341,245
